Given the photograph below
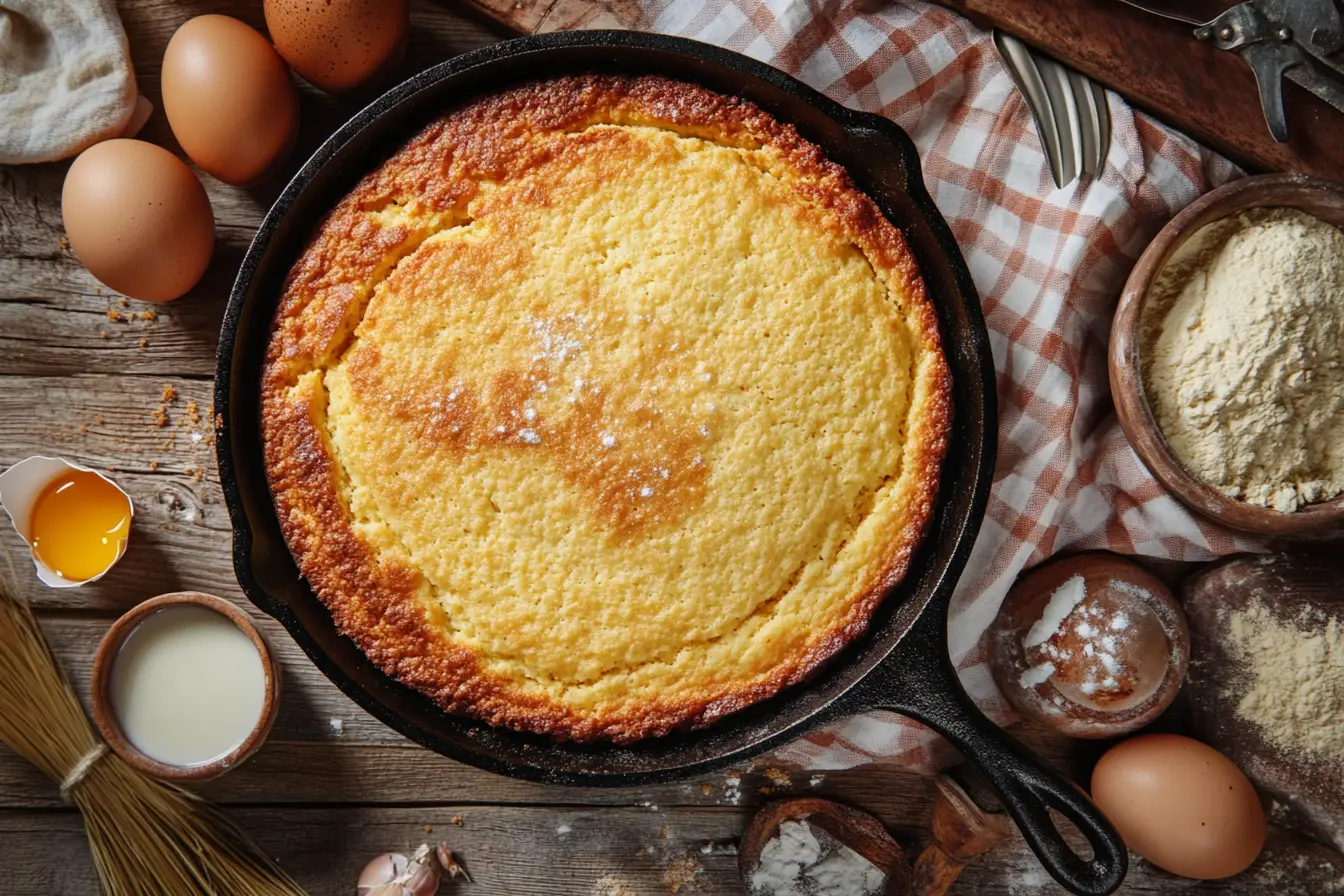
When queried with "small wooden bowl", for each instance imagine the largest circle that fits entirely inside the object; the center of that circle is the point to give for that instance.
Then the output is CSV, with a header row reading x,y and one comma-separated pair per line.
x,y
854,828
1139,592
1324,200
105,715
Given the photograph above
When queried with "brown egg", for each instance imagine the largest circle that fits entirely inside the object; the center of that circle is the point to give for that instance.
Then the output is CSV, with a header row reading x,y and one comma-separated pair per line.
x,y
1181,805
138,219
228,98
337,44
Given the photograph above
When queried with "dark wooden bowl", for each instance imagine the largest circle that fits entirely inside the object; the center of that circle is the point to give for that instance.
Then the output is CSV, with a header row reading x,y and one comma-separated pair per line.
x,y
1022,608
854,828
110,726
1321,198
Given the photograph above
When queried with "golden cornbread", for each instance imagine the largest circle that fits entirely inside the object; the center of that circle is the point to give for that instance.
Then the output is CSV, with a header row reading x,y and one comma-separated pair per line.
x,y
606,406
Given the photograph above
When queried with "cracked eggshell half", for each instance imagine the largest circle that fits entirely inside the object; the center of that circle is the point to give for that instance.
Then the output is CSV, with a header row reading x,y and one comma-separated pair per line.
x,y
20,488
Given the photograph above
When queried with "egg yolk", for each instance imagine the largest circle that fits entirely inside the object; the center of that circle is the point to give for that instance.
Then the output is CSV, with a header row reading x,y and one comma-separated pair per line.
x,y
79,525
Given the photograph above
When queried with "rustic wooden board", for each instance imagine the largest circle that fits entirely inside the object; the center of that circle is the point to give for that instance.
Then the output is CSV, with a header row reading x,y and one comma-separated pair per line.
x,y
578,851
376,772
1158,65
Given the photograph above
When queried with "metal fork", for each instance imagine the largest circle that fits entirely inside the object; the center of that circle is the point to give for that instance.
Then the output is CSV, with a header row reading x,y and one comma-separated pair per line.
x,y
1070,110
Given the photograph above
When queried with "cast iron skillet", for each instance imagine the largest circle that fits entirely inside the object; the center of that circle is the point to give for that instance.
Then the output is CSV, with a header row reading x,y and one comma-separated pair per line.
x,y
901,664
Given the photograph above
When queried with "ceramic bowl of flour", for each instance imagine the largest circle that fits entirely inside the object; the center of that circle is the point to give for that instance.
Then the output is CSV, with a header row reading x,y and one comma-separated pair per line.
x,y
1227,356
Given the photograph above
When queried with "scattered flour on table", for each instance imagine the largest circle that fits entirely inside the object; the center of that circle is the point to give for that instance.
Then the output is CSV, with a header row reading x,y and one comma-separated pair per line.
x,y
1029,882
612,886
1296,692
732,790
679,875
1244,357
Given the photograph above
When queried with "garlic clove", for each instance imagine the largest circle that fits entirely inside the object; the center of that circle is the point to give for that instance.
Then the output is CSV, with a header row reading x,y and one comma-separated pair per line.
x,y
393,874
423,874
382,870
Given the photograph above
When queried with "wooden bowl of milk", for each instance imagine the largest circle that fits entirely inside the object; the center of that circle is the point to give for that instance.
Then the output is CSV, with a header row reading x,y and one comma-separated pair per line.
x,y
184,687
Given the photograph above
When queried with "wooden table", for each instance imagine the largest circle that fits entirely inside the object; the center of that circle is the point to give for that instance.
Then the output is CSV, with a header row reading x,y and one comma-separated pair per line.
x,y
83,374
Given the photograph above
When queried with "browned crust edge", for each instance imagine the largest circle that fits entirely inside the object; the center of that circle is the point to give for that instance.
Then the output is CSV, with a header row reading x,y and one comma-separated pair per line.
x,y
375,603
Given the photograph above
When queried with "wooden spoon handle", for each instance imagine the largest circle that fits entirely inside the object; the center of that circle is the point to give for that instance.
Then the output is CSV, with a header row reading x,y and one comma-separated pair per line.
x,y
935,872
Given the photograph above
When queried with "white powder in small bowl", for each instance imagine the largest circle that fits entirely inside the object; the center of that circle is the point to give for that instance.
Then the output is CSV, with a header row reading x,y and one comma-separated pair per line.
x,y
799,861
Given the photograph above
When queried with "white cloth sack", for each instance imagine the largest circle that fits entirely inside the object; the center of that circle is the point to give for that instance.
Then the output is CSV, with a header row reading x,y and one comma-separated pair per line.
x,y
65,78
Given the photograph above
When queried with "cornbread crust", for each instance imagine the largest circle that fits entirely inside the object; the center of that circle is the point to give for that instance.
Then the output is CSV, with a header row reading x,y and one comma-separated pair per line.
x,y
537,139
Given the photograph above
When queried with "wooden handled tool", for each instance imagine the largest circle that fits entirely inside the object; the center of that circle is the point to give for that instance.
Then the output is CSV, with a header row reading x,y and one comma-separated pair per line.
x,y
961,831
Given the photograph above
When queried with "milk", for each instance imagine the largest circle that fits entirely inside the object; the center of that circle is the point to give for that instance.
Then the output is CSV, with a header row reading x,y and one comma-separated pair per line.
x,y
187,686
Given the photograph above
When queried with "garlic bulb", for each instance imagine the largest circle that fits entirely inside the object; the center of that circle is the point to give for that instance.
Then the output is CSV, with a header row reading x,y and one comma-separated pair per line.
x,y
392,874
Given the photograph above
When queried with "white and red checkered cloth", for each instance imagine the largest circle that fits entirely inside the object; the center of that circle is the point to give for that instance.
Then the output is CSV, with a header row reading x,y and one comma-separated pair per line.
x,y
1049,265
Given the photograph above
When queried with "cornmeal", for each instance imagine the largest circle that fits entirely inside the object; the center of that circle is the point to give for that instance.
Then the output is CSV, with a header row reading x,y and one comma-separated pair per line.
x,y
1246,374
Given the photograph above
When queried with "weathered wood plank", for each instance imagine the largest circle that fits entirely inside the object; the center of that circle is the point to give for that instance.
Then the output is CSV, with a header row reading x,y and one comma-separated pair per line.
x,y
181,535
561,851
514,851
304,773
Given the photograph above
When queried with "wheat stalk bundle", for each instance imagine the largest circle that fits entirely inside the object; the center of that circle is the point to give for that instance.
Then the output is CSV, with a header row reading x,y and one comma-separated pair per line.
x,y
148,838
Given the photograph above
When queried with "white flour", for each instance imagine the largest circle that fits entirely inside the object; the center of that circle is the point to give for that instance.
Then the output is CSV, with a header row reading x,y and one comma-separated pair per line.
x,y
1296,695
795,862
1246,370
1062,602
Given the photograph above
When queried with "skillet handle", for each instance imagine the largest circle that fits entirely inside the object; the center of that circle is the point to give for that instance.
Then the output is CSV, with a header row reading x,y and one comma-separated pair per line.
x,y
918,680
